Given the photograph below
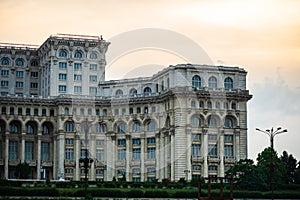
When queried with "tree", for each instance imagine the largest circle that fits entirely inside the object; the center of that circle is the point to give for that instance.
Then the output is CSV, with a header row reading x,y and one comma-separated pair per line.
x,y
297,173
273,167
248,176
22,170
290,167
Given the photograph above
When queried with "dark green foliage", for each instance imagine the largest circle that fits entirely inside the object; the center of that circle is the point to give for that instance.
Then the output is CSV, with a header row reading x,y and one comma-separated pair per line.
x,y
297,174
134,193
156,194
185,194
290,164
22,170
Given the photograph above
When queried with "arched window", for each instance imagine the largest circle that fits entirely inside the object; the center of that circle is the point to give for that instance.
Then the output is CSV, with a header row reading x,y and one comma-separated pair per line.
x,y
196,81
119,93
209,105
121,128
34,63
228,123
196,122
151,126
233,106
217,105
5,61
147,91
62,53
100,128
212,121
228,83
201,104
19,62
136,127
29,129
93,55
14,128
133,92
225,105
45,130
212,82
78,54
69,127
66,111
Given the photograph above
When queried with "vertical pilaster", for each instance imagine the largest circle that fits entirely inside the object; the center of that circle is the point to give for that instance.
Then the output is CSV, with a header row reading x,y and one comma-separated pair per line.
x,y
61,153
162,148
166,153
92,149
77,157
157,147
237,144
38,167
205,153
143,158
172,156
221,146
188,155
54,159
6,158
22,150
128,157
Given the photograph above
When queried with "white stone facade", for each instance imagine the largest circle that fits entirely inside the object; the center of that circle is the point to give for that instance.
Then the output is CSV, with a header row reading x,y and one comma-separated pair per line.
x,y
184,121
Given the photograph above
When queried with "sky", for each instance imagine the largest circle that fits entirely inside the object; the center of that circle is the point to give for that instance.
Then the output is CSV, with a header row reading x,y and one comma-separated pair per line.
x,y
261,36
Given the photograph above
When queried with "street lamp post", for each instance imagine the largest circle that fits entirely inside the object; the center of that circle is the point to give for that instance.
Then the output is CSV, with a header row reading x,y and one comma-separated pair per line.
x,y
271,133
86,161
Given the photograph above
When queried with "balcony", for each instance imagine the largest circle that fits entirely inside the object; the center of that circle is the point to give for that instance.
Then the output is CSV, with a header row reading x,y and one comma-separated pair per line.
x,y
150,162
47,163
197,159
69,163
229,159
213,159
31,163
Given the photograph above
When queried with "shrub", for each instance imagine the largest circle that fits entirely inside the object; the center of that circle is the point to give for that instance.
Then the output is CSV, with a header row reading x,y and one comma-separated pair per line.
x,y
156,194
134,193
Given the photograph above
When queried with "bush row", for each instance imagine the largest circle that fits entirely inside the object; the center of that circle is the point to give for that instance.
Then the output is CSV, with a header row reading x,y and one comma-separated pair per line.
x,y
141,193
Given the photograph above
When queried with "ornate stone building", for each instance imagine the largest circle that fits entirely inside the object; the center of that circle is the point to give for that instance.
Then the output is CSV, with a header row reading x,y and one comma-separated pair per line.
x,y
184,121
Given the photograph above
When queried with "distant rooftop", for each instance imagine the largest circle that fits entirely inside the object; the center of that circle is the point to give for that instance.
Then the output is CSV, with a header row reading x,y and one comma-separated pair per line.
x,y
18,46
76,37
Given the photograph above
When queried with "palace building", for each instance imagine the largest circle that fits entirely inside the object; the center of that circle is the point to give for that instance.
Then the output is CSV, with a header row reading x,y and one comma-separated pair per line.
x,y
184,121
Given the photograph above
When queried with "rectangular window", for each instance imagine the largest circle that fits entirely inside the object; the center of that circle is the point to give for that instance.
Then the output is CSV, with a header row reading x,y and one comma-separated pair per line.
x,y
153,109
212,137
77,77
69,141
62,88
82,153
62,77
228,151
4,83
69,154
196,150
29,149
33,85
196,137
121,154
77,66
93,90
36,112
62,65
151,171
45,151
99,171
121,142
3,110
13,150
136,154
19,73
93,78
100,154
34,74
77,89
93,67
136,141
99,142
151,153
44,112
28,111
196,167
228,138
4,72
212,150
11,110
19,84
69,171
136,171
151,140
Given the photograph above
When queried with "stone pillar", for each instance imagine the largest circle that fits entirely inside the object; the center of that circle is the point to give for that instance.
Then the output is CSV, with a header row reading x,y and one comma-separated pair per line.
x,y
110,156
61,153
143,158
166,153
157,147
188,155
128,157
22,150
77,157
92,149
205,153
38,164
54,161
162,156
221,148
237,144
6,155
172,156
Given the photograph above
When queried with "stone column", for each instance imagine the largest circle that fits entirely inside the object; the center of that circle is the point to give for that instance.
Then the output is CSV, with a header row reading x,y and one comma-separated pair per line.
x,y
205,152
189,154
172,156
221,148
162,156
143,158
92,149
77,157
237,144
128,157
54,161
22,150
157,147
6,158
61,152
38,164
166,153
110,156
